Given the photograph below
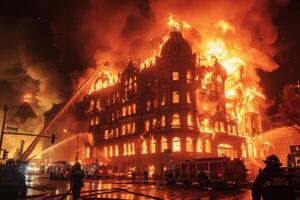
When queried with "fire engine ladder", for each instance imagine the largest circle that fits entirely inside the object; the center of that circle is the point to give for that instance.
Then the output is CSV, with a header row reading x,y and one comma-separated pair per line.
x,y
77,93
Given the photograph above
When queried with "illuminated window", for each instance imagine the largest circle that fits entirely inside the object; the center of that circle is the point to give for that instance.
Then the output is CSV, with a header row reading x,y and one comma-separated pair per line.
x,y
153,146
244,150
133,108
114,98
222,127
129,109
163,121
189,77
128,128
111,151
133,148
116,150
147,125
123,129
176,144
92,105
217,127
106,134
207,146
98,104
144,147
88,152
190,120
175,76
175,97
105,152
123,111
97,120
188,97
148,105
189,144
199,145
112,116
164,144
163,100
92,121
117,132
175,120
154,123
124,149
133,127
129,149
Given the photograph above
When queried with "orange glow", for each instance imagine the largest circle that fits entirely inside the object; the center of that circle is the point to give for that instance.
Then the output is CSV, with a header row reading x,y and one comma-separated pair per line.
x,y
28,98
104,80
175,25
225,26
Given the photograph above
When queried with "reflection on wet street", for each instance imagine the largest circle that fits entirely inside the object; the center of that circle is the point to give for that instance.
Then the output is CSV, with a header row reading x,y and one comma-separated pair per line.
x,y
124,189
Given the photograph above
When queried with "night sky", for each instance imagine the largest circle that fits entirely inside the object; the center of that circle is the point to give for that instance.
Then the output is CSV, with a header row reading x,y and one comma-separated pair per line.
x,y
48,37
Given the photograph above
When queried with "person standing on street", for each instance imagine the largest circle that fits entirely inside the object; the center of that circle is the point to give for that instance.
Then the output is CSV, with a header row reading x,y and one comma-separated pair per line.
x,y
12,182
271,183
77,176
133,176
146,174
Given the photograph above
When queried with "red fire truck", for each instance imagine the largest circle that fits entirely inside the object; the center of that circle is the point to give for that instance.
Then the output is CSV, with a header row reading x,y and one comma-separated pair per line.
x,y
215,170
293,166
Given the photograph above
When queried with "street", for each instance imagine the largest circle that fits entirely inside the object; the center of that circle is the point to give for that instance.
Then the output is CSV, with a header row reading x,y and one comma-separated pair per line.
x,y
45,188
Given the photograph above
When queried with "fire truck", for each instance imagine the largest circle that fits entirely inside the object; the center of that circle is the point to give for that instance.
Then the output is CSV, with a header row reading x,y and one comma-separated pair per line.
x,y
293,166
211,171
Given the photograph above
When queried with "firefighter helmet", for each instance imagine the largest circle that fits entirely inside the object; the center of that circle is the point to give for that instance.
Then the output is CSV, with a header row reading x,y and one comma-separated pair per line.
x,y
272,160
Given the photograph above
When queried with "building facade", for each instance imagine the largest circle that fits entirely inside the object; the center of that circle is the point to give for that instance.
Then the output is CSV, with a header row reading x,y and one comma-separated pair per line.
x,y
167,111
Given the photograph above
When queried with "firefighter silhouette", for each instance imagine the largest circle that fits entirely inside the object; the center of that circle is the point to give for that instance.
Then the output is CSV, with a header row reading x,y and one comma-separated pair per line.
x,y
271,183
12,182
133,176
76,178
146,174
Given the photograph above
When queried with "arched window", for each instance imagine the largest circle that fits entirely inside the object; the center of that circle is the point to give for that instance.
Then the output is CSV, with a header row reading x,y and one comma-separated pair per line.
x,y
153,146
244,150
144,147
175,120
175,96
189,77
116,150
176,144
164,144
199,145
190,121
207,146
92,103
189,144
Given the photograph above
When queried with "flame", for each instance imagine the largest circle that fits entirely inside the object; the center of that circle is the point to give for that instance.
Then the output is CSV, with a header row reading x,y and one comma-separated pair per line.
x,y
224,26
28,98
175,25
104,80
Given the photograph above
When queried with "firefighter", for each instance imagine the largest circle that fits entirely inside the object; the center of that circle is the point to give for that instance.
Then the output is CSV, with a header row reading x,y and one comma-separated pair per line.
x,y
272,183
203,179
12,182
146,174
77,176
133,176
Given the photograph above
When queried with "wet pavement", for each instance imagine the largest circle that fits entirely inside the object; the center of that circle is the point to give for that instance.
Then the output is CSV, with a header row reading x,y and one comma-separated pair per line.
x,y
46,188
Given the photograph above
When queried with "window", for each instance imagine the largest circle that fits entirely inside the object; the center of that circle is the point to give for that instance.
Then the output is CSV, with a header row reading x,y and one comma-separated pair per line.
x,y
144,147
97,120
106,134
148,105
129,109
244,150
124,149
188,97
153,146
176,144
88,152
164,144
92,121
111,151
105,151
199,145
147,125
123,129
153,123
133,108
163,100
133,127
132,148
189,77
175,120
129,149
92,105
190,120
112,116
123,111
117,132
222,127
116,150
207,146
189,144
98,104
175,76
175,97
163,121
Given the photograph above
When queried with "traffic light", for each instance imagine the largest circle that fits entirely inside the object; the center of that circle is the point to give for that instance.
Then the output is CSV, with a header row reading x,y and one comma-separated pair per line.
x,y
53,138
5,154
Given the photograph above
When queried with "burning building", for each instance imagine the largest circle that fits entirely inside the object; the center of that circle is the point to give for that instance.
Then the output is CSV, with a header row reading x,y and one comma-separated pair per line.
x,y
169,109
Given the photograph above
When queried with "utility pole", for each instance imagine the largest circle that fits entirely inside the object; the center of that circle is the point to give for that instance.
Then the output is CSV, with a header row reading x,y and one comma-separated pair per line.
x,y
3,125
